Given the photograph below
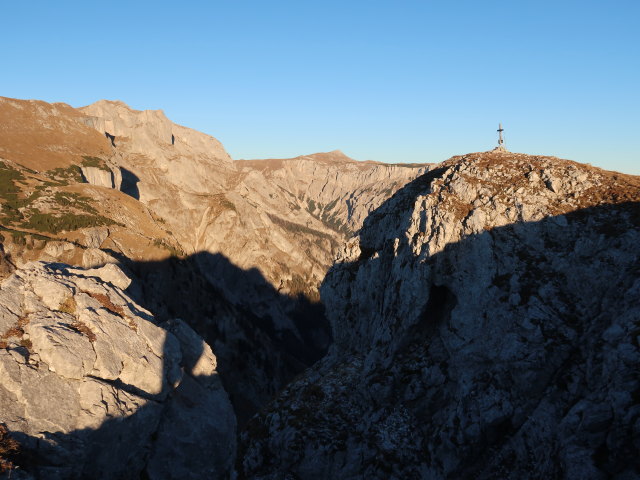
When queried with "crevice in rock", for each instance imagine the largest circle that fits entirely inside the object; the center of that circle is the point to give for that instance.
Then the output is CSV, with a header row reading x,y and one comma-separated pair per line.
x,y
112,138
438,309
130,389
130,183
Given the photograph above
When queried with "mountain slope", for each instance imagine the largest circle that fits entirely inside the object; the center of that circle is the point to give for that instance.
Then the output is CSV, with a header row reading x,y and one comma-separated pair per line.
x,y
278,220
485,325
334,188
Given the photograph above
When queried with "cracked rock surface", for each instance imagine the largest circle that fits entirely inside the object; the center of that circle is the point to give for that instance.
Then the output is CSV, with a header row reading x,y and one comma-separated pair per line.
x,y
92,387
486,324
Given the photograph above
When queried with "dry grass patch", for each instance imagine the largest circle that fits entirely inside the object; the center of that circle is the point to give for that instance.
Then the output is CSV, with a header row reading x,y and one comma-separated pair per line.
x,y
68,306
83,329
17,330
106,302
132,324
118,310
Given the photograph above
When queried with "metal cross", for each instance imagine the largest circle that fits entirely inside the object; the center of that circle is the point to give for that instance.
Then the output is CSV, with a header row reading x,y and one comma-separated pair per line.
x,y
500,139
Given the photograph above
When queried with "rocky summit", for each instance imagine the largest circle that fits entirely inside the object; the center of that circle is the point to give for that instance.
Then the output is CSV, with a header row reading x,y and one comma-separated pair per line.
x,y
485,325
169,312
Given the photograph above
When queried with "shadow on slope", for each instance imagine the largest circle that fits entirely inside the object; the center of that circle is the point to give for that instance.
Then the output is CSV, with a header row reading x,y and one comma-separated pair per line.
x,y
509,356
175,430
261,338
186,430
130,183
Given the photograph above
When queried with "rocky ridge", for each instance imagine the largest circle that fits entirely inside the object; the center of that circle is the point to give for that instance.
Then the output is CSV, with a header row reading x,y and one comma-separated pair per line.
x,y
285,222
485,325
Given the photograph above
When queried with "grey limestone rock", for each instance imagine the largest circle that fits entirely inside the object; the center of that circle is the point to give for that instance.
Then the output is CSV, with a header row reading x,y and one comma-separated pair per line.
x,y
100,177
92,387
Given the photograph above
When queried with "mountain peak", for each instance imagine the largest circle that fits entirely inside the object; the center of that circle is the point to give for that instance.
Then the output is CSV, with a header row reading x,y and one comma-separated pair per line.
x,y
105,105
338,153
332,156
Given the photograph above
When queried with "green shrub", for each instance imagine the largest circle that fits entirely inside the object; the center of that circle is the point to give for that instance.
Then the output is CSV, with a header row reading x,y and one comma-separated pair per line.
x,y
8,175
71,199
65,176
96,162
47,222
173,251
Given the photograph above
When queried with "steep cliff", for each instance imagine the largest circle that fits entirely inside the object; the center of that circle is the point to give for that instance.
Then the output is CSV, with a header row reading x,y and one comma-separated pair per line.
x,y
486,326
333,188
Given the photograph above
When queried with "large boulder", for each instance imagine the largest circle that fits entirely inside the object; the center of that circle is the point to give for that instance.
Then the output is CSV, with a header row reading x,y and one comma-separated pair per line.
x,y
92,387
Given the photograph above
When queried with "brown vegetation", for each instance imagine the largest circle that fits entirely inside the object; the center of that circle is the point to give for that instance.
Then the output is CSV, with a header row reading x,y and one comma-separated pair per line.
x,y
83,329
15,331
43,136
8,449
106,302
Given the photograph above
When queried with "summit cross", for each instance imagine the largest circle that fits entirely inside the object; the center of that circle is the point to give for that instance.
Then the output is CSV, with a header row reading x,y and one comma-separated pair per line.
x,y
500,139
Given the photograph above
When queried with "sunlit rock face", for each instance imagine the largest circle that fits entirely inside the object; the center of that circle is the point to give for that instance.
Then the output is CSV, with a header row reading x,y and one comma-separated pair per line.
x,y
102,177
284,217
92,387
486,326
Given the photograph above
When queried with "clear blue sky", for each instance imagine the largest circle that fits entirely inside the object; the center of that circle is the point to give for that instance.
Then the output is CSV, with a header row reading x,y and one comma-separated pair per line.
x,y
401,81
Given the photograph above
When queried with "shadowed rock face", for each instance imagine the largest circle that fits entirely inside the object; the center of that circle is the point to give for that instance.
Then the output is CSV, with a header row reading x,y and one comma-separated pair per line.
x,y
256,356
485,324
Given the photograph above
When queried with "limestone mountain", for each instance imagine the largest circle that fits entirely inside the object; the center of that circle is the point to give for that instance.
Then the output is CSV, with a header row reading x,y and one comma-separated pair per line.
x,y
485,325
479,317
236,249
283,217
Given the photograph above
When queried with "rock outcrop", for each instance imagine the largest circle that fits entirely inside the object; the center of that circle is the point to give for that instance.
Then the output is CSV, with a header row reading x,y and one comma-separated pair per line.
x,y
486,326
93,387
109,178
